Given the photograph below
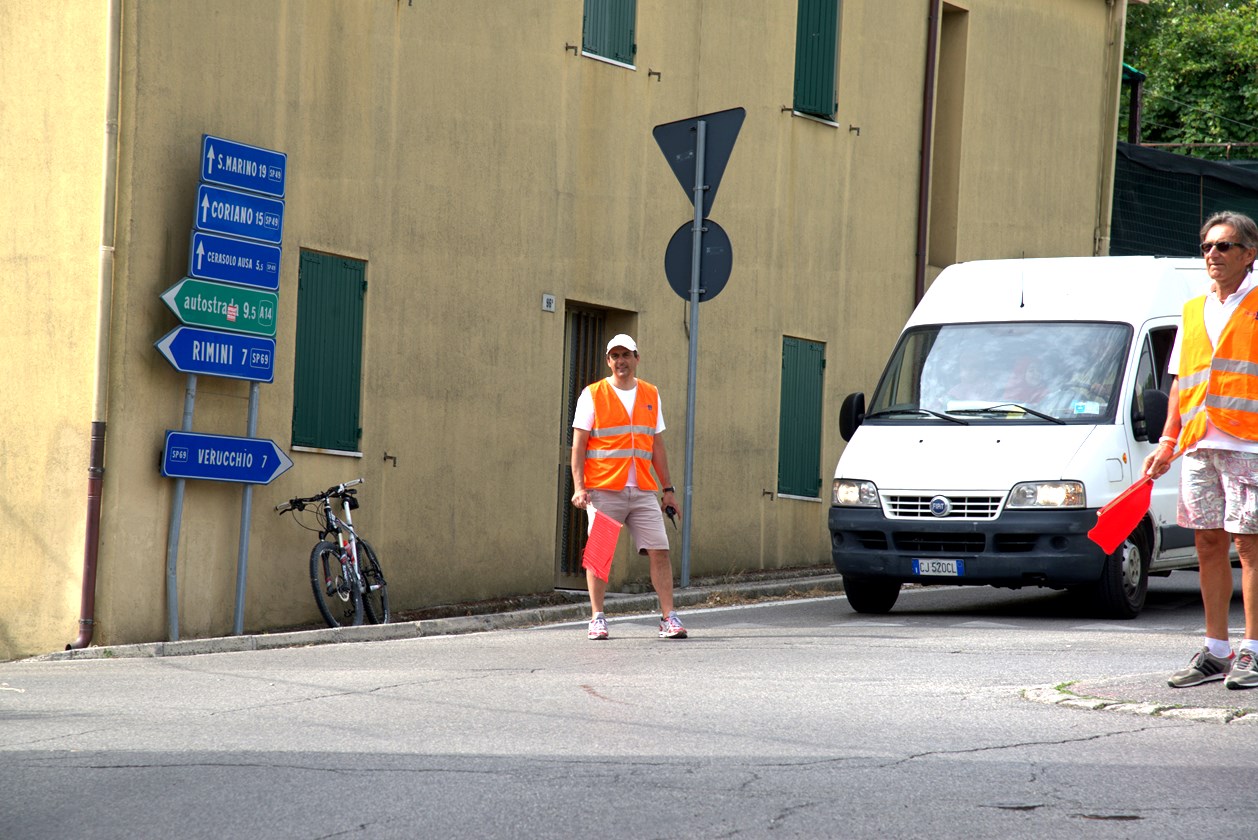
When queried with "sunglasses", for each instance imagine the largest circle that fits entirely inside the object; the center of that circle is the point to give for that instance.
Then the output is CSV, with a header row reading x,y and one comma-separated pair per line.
x,y
1222,246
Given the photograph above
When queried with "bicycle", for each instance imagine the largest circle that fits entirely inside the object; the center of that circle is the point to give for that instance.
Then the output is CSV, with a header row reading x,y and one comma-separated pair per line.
x,y
345,573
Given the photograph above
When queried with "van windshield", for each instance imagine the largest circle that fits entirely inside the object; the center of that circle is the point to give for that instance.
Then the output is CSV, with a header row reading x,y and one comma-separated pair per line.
x,y
1026,371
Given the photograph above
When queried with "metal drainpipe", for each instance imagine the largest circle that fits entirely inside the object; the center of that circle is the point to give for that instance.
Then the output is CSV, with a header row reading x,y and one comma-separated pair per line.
x,y
1116,27
96,465
928,133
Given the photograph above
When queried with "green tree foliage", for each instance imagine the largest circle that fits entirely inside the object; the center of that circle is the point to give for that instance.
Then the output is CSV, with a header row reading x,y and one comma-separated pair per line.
x,y
1200,58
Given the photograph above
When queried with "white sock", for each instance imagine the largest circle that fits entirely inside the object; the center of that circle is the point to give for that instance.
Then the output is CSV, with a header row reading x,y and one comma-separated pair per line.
x,y
1250,644
1221,648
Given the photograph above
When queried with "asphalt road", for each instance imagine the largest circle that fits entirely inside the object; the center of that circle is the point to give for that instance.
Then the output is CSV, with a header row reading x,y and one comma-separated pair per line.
x,y
787,719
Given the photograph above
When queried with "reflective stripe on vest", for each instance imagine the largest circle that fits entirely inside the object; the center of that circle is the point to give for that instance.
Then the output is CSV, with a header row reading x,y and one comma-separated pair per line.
x,y
1219,383
618,440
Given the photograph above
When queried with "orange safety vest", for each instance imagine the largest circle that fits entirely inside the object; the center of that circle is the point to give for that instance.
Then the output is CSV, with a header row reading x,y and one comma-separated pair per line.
x,y
1220,383
618,440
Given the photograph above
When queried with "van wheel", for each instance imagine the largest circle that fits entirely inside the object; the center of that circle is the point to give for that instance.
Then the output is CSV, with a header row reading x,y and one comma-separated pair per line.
x,y
1124,583
871,595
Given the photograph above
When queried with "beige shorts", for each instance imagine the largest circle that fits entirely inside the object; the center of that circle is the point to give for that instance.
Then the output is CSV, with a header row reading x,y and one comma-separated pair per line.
x,y
638,510
1218,488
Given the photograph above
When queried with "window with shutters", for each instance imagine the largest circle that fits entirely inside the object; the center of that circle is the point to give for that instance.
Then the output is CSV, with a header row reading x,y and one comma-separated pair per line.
x,y
608,30
817,58
799,422
327,369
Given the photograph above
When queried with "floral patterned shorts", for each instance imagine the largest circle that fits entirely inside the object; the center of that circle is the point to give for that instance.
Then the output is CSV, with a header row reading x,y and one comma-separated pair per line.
x,y
1218,488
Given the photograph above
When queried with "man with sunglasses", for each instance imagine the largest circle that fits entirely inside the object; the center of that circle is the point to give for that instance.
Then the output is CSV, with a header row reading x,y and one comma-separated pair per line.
x,y
1213,418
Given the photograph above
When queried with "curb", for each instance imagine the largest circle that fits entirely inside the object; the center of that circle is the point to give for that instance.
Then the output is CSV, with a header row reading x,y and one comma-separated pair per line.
x,y
1060,695
794,588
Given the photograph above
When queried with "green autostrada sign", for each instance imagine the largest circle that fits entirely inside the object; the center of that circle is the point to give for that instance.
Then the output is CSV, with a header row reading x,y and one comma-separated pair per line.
x,y
222,306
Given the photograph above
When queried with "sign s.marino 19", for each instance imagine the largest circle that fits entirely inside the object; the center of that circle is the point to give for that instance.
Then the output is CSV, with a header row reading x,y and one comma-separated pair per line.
x,y
242,166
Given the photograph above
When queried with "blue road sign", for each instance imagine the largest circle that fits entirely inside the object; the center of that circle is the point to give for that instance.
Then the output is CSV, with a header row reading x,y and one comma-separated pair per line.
x,y
243,166
223,458
243,261
236,213
213,353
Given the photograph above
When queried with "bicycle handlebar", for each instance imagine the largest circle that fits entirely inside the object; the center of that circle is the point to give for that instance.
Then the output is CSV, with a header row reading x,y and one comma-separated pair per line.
x,y
300,503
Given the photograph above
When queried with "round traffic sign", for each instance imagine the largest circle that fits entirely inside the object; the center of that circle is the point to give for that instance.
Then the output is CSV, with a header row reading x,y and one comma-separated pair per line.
x,y
715,262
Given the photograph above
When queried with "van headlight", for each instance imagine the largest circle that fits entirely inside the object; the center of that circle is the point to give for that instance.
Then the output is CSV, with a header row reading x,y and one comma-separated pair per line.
x,y
1047,494
852,493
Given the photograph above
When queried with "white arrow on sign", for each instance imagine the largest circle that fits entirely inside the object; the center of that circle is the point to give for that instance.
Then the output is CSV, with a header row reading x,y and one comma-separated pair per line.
x,y
209,156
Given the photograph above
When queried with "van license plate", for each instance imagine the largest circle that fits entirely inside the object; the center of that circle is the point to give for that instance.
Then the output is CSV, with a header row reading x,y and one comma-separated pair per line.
x,y
947,568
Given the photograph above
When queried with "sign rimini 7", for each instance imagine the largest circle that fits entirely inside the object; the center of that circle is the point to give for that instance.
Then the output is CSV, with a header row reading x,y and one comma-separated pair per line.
x,y
236,356
222,458
219,306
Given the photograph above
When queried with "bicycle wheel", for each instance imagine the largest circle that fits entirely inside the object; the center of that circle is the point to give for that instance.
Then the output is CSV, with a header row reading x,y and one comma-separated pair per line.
x,y
337,594
376,598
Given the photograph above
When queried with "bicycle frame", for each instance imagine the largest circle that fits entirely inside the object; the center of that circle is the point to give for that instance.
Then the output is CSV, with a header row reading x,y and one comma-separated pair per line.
x,y
348,545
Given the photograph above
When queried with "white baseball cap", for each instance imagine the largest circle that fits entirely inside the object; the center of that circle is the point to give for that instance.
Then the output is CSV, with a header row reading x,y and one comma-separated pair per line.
x,y
624,341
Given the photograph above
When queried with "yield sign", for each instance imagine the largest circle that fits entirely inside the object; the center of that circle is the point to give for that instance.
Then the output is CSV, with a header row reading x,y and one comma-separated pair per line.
x,y
677,142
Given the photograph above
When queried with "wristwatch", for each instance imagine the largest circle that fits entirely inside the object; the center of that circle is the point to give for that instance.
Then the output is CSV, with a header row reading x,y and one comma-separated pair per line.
x,y
670,489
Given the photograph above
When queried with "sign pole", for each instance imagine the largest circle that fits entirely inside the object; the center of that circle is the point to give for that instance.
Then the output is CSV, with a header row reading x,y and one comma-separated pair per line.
x,y
246,509
176,518
704,142
692,365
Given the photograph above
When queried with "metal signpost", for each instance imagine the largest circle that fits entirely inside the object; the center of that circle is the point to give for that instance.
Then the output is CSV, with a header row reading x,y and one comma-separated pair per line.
x,y
697,150
238,228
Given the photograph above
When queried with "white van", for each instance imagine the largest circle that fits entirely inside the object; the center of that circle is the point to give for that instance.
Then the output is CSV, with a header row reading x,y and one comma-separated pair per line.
x,y
1021,397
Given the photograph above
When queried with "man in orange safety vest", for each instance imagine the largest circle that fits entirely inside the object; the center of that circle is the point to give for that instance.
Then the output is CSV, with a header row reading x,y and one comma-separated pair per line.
x,y
615,445
1213,419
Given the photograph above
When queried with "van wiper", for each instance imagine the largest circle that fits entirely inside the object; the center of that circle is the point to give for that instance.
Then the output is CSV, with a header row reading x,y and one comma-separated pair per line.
x,y
919,412
1001,408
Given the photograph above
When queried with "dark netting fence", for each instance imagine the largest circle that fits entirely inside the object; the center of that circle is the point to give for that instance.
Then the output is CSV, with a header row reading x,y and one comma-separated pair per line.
x,y
1161,199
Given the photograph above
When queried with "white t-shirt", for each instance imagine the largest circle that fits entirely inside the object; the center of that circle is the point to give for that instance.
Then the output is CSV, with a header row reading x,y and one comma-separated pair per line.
x,y
1216,316
583,417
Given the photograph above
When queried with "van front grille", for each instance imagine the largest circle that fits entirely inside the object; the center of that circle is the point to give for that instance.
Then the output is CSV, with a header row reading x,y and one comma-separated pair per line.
x,y
939,543
918,506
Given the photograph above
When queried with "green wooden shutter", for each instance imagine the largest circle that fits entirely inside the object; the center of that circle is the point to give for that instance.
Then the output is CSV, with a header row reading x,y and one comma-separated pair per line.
x,y
327,371
608,29
799,421
816,57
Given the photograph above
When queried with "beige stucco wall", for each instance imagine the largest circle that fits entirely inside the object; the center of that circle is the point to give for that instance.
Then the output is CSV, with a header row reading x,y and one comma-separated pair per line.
x,y
52,104
475,165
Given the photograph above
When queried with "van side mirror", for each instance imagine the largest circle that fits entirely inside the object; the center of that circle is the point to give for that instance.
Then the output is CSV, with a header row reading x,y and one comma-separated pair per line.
x,y
1155,406
852,414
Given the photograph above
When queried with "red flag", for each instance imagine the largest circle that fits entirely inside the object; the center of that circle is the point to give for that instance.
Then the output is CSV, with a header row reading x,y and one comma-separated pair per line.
x,y
601,545
1116,521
